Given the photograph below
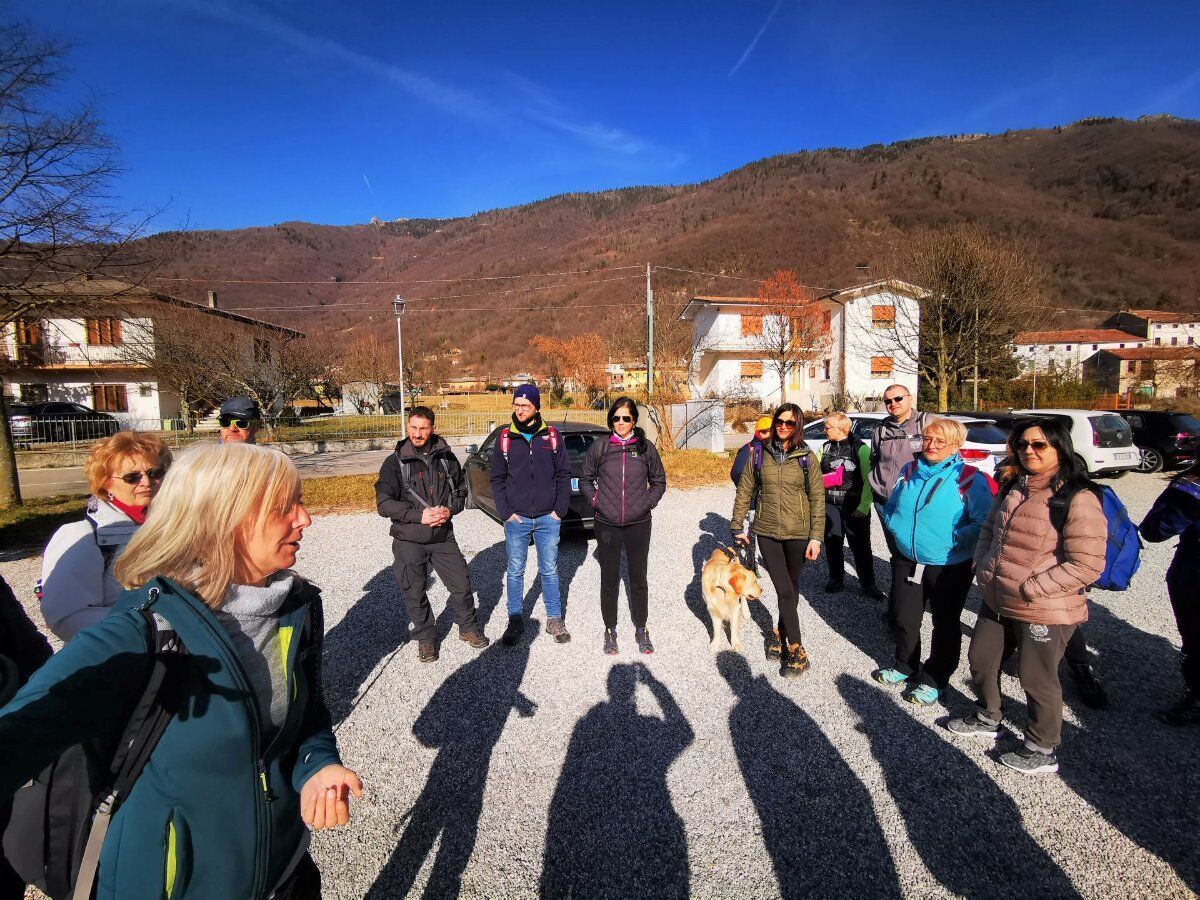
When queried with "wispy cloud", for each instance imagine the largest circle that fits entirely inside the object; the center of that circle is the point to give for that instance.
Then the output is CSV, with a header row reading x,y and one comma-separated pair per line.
x,y
535,105
754,43
1168,97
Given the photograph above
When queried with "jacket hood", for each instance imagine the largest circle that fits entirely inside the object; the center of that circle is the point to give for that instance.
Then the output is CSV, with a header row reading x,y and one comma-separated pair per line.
x,y
406,450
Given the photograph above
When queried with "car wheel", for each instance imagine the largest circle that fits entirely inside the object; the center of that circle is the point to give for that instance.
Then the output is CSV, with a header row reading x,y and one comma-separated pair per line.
x,y
1152,460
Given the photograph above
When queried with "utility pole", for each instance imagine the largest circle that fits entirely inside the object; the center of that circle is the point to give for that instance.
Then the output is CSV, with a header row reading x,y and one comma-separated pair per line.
x,y
975,388
649,335
398,309
1035,368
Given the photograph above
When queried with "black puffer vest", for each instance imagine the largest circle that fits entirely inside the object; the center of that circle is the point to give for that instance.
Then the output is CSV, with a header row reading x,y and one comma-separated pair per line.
x,y
844,454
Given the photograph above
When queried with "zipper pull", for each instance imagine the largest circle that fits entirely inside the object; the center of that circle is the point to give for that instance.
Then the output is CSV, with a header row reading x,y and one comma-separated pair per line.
x,y
268,794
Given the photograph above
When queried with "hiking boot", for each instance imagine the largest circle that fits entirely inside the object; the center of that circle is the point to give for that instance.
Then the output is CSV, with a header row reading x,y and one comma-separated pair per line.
x,y
874,593
642,636
973,726
512,634
890,677
922,695
794,662
1030,762
834,586
773,646
610,641
1091,691
475,637
557,630
1185,712
427,651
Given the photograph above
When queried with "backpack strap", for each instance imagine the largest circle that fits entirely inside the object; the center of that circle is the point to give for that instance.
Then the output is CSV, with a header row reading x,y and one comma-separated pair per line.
x,y
553,438
504,440
967,475
1059,503
907,471
108,552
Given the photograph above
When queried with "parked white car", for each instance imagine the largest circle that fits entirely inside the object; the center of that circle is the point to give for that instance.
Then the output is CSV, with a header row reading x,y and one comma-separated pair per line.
x,y
1103,440
984,448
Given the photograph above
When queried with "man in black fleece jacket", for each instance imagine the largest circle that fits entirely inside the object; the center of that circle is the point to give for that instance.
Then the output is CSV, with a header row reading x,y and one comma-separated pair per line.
x,y
420,488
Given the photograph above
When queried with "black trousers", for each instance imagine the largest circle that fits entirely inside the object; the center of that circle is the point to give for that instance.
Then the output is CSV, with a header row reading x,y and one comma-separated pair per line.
x,y
412,562
635,540
842,528
303,884
784,560
945,588
1185,602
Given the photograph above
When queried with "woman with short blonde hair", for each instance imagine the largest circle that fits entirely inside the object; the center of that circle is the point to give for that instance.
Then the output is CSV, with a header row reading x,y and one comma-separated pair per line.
x,y
248,757
77,587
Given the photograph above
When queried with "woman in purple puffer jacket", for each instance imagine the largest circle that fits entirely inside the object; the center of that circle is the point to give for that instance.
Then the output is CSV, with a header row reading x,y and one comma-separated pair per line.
x,y
623,478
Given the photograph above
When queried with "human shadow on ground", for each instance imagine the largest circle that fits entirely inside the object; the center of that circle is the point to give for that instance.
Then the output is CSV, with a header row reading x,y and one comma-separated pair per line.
x,y
464,720
967,831
377,625
813,808
613,830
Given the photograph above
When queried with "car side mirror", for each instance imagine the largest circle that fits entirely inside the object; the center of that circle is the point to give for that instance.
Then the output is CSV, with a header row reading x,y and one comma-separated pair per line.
x,y
472,449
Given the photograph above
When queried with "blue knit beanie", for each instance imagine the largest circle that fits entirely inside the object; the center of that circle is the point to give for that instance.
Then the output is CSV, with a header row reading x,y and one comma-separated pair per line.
x,y
530,393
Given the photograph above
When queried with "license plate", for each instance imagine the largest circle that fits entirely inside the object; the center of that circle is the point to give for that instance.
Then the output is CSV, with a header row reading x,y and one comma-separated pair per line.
x,y
575,484
1124,456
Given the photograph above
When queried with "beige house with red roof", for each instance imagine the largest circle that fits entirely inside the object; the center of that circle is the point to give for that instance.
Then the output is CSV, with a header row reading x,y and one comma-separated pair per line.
x,y
1065,351
1160,329
1152,372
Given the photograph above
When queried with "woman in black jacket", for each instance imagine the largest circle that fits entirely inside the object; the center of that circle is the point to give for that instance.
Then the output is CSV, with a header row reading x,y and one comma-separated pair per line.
x,y
623,479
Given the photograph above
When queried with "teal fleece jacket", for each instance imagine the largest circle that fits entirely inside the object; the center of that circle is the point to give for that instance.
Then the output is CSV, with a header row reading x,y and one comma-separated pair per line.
x,y
931,521
214,813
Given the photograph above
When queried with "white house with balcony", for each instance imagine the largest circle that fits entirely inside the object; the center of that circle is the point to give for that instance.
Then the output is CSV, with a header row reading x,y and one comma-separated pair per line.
x,y
1158,328
92,342
1064,352
869,340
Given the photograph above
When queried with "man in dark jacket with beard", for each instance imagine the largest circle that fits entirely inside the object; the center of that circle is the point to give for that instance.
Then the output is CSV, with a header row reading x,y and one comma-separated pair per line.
x,y
420,487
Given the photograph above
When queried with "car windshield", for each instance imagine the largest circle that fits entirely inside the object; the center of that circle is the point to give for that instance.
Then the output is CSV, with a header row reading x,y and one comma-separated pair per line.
x,y
985,433
1184,422
578,442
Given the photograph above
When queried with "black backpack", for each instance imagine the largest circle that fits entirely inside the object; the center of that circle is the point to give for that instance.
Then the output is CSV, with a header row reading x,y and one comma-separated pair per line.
x,y
60,817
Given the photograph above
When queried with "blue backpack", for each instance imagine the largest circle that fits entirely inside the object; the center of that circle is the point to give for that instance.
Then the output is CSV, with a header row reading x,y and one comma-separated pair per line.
x,y
1122,554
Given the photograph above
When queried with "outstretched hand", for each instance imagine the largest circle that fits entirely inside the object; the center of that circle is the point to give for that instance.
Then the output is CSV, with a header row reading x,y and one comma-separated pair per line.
x,y
325,798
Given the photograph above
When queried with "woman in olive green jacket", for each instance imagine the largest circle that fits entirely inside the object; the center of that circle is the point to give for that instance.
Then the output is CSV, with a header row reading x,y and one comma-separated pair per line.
x,y
789,523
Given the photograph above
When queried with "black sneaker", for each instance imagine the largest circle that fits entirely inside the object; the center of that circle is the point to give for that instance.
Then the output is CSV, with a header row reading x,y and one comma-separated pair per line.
x,y
427,651
512,634
874,593
833,587
610,641
642,636
1091,691
1185,712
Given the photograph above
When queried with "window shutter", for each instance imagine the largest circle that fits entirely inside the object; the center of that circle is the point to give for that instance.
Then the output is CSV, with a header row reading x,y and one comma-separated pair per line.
x,y
883,316
752,325
881,366
752,370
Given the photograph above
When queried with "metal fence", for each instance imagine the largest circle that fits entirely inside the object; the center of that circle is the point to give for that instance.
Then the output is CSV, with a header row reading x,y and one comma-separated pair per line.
x,y
53,442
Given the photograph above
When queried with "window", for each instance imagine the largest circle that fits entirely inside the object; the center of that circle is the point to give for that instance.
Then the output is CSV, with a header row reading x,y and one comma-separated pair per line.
x,y
751,371
105,332
825,370
881,367
751,325
29,342
109,398
1095,346
1122,347
883,316
145,390
1174,341
34,393
1069,347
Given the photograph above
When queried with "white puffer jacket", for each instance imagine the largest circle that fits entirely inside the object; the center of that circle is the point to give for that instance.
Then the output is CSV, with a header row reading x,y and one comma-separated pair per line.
x,y
78,587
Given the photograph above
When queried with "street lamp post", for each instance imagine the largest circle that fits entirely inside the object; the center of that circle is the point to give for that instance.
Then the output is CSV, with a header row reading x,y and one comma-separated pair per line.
x,y
398,309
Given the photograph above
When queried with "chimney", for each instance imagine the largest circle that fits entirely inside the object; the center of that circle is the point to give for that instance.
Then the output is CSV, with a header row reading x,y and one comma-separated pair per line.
x,y
212,299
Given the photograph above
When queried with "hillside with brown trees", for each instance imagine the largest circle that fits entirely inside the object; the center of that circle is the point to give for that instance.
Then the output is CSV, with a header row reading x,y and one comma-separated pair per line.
x,y
1109,208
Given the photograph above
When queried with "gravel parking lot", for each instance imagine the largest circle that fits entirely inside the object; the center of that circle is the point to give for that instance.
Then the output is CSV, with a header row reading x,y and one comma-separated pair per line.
x,y
555,770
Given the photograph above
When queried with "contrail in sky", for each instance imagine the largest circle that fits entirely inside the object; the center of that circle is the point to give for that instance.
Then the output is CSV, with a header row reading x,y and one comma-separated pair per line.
x,y
754,43
367,182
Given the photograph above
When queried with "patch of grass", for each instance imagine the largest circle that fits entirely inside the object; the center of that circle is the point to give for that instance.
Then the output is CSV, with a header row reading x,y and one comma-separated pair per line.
x,y
31,525
695,468
339,493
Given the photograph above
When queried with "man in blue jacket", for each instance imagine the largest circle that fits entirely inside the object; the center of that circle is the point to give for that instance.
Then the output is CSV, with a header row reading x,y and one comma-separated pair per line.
x,y
531,484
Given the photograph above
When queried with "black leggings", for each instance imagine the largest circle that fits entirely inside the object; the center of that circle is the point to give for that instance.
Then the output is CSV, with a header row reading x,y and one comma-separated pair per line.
x,y
635,539
784,560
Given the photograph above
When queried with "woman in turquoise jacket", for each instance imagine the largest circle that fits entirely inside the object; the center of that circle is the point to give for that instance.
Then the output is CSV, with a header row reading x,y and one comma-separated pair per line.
x,y
934,516
248,758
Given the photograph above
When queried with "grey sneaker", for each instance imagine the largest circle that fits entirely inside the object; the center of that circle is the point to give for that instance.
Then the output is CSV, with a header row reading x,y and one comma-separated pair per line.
x,y
610,641
973,726
557,630
1030,762
642,636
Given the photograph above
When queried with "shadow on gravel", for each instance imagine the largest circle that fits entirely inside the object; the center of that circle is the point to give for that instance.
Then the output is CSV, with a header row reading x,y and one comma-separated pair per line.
x,y
377,625
813,808
463,720
613,831
572,553
1138,773
967,831
851,614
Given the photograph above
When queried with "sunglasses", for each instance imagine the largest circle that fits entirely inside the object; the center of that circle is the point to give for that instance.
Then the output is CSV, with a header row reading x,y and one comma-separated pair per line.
x,y
622,418
891,400
1036,446
155,474
243,424
785,423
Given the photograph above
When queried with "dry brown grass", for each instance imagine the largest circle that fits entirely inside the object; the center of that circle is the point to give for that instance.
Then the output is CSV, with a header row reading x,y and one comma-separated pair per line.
x,y
339,493
695,468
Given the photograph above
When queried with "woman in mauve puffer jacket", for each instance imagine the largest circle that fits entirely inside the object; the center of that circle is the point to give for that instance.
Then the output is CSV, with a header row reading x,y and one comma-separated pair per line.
x,y
623,479
1034,582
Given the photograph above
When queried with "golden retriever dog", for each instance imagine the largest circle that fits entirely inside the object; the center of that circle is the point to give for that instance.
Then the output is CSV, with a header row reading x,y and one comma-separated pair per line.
x,y
727,584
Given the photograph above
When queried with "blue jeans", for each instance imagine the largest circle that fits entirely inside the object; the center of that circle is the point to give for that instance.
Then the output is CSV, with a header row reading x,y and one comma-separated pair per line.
x,y
545,531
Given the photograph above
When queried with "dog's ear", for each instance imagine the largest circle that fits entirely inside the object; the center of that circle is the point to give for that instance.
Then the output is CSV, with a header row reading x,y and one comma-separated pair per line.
x,y
737,581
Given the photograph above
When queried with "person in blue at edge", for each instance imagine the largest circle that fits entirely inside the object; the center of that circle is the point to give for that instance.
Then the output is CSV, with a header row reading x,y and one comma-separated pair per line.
x,y
531,484
934,515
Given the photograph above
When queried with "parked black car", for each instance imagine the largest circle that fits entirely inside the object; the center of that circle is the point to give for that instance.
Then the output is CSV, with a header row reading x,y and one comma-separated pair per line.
x,y
577,437
1166,439
47,423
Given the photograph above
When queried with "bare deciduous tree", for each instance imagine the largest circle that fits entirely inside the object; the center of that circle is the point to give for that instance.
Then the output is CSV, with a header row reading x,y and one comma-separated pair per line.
x,y
366,366
794,329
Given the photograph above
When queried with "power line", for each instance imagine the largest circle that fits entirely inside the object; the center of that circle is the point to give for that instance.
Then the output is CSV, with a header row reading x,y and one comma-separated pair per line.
x,y
190,280
381,308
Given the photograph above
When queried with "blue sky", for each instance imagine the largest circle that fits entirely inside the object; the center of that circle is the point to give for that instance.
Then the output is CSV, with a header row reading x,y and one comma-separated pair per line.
x,y
251,112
